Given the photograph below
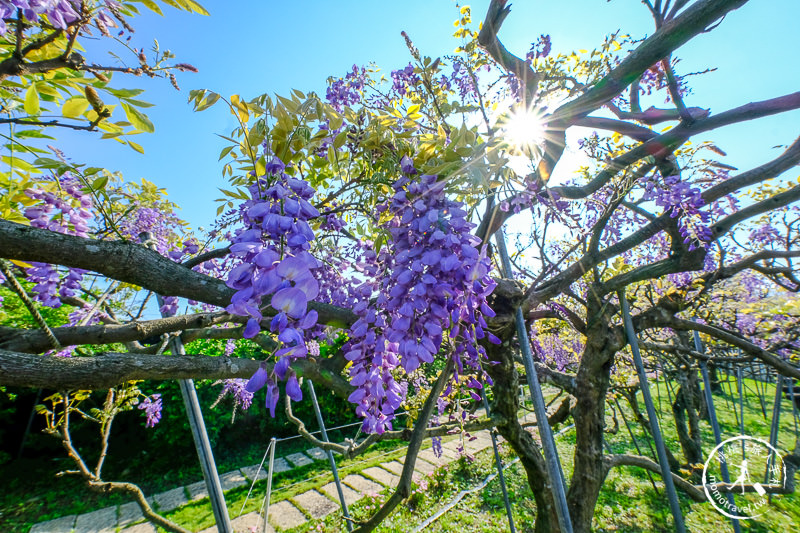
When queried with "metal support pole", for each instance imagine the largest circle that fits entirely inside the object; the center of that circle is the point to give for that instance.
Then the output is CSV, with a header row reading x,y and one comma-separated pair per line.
x,y
793,392
775,426
666,473
203,446
741,407
195,416
635,442
756,381
332,461
499,463
273,444
552,461
712,415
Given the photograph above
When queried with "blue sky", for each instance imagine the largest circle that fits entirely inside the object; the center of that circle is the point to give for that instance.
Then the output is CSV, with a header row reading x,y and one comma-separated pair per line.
x,y
250,47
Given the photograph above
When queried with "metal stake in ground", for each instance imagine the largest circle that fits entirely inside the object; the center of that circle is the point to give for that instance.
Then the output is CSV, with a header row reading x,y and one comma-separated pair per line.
x,y
666,473
332,461
552,461
268,495
499,463
712,414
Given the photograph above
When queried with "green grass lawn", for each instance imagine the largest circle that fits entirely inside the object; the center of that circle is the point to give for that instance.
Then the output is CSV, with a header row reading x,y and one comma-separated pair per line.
x,y
628,501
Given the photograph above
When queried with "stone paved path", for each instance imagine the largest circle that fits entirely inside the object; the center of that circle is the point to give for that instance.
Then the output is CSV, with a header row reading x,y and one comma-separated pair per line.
x,y
285,514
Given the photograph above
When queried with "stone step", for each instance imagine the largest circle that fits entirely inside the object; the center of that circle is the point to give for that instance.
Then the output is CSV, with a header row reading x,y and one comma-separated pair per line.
x,y
315,504
284,515
351,496
384,477
127,518
363,485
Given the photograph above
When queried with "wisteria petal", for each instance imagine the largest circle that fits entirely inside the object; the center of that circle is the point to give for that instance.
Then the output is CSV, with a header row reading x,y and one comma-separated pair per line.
x,y
257,380
291,301
293,390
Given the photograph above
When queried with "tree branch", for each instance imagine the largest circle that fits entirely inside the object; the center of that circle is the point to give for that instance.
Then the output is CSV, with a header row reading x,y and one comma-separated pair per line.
x,y
131,263
109,369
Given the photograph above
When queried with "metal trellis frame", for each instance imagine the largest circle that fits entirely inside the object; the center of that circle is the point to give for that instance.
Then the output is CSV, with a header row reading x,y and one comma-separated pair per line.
x,y
712,415
553,463
499,463
331,459
666,473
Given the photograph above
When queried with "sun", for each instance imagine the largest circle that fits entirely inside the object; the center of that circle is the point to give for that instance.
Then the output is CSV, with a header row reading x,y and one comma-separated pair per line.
x,y
522,131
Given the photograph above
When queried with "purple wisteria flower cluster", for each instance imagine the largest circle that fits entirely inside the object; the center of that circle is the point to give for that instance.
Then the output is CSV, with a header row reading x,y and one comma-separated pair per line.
x,y
60,13
152,409
433,281
237,388
344,92
682,201
404,79
273,248
66,213
539,49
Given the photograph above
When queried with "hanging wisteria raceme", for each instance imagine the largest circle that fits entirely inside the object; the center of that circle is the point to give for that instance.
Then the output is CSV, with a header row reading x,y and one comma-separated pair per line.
x,y
66,213
60,13
434,282
682,201
273,248
152,409
344,92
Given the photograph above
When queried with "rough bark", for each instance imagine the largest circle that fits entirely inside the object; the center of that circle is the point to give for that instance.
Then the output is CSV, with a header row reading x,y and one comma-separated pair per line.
x,y
132,263
593,377
684,410
504,409
106,370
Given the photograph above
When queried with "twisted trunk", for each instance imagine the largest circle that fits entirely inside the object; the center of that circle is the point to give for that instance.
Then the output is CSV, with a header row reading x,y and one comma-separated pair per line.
x,y
593,377
687,419
504,409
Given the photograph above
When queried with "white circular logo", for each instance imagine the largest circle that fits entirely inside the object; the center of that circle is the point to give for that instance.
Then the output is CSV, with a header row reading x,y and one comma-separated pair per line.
x,y
751,464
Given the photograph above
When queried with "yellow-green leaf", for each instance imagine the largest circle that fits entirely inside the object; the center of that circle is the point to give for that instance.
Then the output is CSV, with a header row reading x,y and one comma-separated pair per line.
x,y
138,119
152,6
136,147
75,107
100,183
32,100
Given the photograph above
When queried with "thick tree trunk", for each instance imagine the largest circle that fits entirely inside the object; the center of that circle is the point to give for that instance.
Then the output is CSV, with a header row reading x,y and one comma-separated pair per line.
x,y
687,420
504,408
589,472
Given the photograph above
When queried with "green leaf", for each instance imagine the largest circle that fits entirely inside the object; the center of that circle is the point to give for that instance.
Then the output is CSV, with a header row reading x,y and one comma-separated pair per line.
x,y
195,7
338,142
139,103
225,151
100,183
32,100
136,147
31,133
75,107
207,102
152,6
138,119
125,93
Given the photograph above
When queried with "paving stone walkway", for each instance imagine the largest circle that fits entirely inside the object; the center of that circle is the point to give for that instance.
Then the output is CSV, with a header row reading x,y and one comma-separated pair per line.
x,y
285,514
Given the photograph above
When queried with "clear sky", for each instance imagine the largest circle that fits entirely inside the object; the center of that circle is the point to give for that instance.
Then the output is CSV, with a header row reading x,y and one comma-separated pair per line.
x,y
250,47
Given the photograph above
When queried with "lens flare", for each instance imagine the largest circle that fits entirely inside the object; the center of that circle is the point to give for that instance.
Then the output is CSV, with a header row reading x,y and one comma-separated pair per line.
x,y
523,131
